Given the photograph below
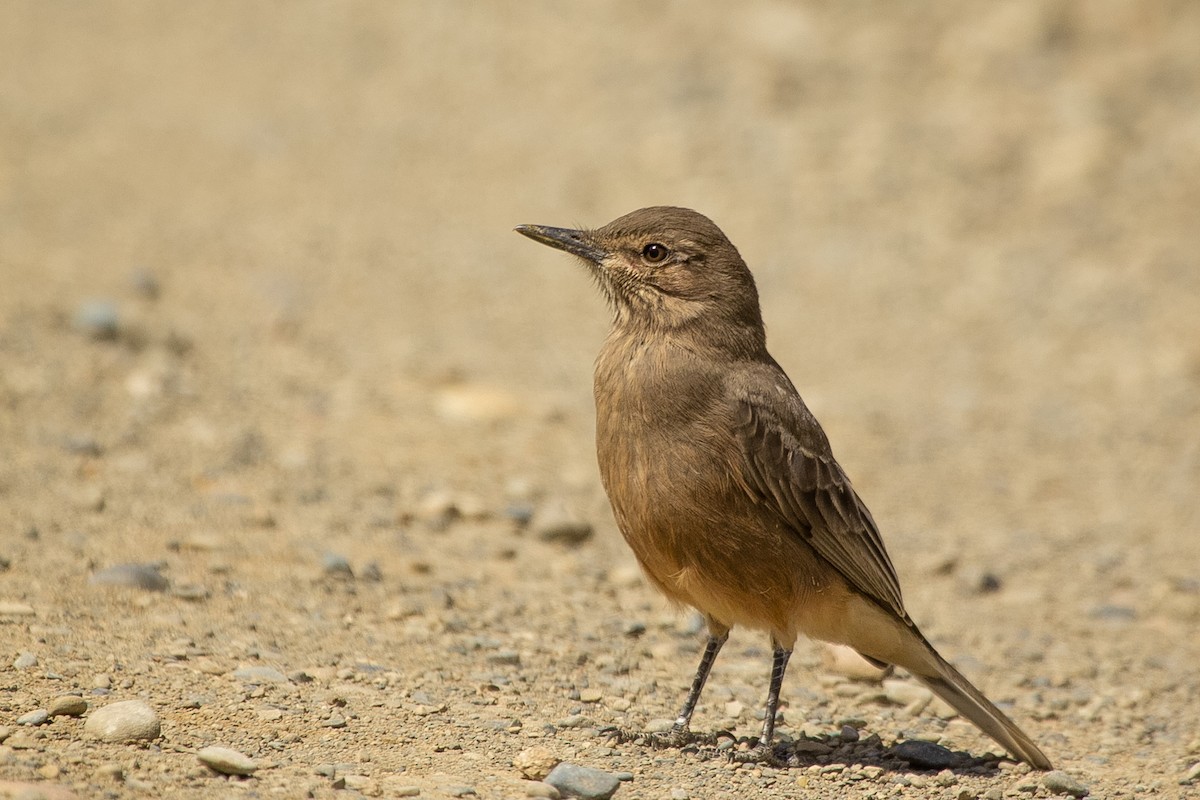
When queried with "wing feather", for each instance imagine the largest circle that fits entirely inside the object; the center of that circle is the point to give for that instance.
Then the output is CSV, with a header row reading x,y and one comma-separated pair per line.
x,y
787,463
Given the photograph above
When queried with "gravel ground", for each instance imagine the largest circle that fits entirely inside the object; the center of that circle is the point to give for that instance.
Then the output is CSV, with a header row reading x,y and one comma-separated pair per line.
x,y
295,433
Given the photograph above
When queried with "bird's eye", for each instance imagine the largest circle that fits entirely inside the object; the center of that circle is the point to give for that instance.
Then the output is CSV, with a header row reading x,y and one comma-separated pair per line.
x,y
655,253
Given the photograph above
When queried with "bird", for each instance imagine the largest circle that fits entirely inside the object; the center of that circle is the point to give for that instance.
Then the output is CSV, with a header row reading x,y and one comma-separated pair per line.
x,y
721,480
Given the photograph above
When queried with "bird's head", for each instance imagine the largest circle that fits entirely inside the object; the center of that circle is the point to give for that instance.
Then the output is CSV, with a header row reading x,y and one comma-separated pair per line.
x,y
669,269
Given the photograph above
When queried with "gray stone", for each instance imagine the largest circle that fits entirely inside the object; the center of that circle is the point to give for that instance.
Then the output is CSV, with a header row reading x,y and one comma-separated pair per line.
x,y
1192,775
25,661
583,782
926,755
556,524
131,576
97,319
259,675
127,721
1060,782
226,761
68,705
36,717
336,566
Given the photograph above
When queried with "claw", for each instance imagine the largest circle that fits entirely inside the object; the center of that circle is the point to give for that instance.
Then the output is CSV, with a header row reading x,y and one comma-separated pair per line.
x,y
759,754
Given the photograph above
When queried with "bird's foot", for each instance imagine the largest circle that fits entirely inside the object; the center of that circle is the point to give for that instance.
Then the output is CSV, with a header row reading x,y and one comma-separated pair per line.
x,y
760,753
678,737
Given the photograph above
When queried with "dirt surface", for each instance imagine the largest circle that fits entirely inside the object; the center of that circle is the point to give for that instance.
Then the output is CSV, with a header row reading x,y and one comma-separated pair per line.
x,y
264,324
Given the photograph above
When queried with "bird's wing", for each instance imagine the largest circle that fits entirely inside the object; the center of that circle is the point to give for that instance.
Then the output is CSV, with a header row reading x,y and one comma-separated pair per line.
x,y
787,465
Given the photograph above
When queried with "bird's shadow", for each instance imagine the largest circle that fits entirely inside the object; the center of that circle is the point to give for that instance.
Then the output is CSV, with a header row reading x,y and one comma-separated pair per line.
x,y
831,751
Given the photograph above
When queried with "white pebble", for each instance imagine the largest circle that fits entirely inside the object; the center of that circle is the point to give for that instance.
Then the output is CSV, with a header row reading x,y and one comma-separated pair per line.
x,y
226,761
126,721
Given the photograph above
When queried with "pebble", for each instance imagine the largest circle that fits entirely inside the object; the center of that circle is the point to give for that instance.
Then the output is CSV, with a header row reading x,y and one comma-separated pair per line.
x,y
226,761
110,772
846,661
11,609
98,320
926,755
259,675
89,498
555,523
904,693
125,721
540,789
849,733
68,705
1060,782
1192,774
25,661
336,566
468,402
132,576
583,782
36,717
535,763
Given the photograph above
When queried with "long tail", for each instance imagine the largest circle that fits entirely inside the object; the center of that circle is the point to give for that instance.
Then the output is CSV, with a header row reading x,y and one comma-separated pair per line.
x,y
950,685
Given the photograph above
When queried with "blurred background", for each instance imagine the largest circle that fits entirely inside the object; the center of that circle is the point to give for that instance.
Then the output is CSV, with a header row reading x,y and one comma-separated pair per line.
x,y
266,249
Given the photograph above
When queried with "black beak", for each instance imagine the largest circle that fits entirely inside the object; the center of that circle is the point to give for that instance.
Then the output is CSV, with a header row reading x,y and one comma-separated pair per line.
x,y
574,242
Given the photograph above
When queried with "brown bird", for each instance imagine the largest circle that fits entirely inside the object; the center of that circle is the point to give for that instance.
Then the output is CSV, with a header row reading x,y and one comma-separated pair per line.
x,y
720,478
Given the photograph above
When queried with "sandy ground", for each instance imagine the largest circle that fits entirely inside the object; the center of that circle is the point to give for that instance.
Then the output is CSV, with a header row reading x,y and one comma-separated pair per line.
x,y
264,323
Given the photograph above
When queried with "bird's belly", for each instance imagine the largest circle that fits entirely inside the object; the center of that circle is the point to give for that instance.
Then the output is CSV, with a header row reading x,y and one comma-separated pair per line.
x,y
703,541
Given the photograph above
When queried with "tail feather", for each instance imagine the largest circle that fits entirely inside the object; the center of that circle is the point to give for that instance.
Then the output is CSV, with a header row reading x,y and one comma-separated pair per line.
x,y
950,685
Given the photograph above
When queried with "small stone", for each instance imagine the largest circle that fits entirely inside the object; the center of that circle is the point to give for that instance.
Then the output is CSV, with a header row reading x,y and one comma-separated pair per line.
x,y
334,721
1192,774
658,725
619,704
535,763
68,705
126,721
363,784
506,658
11,609
573,721
36,717
926,755
842,660
259,675
460,401
110,772
1060,782
460,791
25,661
131,576
226,761
540,789
680,794
336,566
98,320
849,733
590,695
912,696
583,782
555,523
89,498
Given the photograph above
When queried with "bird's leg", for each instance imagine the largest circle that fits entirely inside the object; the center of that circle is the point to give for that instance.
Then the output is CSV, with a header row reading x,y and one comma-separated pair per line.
x,y
679,735
763,751
679,731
